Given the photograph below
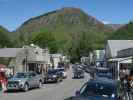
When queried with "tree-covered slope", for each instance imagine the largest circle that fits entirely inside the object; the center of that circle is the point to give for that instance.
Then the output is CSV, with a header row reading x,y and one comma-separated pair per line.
x,y
125,32
71,30
5,41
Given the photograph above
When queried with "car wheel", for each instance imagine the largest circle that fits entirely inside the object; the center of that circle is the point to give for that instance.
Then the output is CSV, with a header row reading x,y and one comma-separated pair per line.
x,y
57,80
26,87
61,79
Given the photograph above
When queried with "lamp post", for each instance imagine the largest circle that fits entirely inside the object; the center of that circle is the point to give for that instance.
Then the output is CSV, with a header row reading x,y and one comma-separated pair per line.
x,y
26,59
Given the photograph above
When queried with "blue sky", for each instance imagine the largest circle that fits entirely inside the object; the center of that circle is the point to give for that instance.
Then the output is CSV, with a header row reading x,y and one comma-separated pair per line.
x,y
14,12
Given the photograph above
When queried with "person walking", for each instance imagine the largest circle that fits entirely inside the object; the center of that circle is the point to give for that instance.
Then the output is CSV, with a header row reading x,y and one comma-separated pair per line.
x,y
126,85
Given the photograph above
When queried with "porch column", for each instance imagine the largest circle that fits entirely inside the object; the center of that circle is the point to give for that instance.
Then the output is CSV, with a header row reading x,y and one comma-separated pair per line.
x,y
118,70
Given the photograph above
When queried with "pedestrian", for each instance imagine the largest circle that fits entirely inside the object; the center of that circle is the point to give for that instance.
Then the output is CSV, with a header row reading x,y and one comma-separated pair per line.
x,y
122,74
3,81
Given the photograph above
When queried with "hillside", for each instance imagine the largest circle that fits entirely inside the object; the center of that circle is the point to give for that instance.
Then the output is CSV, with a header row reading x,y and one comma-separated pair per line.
x,y
125,32
5,41
67,27
68,20
115,26
68,30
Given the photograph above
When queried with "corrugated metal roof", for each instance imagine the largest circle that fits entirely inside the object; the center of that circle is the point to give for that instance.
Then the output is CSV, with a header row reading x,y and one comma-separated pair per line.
x,y
56,55
9,52
117,45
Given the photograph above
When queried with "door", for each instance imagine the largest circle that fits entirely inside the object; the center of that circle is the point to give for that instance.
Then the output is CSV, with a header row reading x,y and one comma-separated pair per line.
x,y
32,80
35,79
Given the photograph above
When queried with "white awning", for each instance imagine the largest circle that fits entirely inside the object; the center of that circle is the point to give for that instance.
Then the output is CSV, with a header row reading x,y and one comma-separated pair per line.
x,y
122,60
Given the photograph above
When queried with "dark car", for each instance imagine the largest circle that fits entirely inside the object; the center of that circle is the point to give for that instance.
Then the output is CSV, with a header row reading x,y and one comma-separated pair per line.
x,y
63,71
53,75
78,73
98,89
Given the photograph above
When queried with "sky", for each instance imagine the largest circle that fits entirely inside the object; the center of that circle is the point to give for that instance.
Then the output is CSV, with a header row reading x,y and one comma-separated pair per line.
x,y
14,12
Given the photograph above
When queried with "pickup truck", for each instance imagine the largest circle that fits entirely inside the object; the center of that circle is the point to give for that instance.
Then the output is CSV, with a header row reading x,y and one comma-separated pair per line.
x,y
24,81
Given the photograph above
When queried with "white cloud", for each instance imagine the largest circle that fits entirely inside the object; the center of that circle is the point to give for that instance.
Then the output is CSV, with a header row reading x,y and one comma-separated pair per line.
x,y
105,22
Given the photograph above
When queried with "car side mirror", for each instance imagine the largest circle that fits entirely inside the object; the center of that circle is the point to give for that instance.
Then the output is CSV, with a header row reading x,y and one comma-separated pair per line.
x,y
77,93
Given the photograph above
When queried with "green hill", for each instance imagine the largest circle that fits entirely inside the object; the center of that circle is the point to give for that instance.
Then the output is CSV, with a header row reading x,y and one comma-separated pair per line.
x,y
63,20
5,41
67,27
125,32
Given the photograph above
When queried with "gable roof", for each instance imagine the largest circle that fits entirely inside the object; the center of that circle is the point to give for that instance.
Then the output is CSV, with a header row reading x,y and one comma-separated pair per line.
x,y
9,52
117,45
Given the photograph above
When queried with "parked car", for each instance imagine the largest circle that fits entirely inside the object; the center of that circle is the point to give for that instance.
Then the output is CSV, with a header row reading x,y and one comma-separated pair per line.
x,y
78,73
53,75
98,89
64,73
24,81
103,72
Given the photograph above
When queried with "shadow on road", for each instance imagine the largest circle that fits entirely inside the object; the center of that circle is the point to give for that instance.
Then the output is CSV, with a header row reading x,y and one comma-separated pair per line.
x,y
20,91
69,98
14,91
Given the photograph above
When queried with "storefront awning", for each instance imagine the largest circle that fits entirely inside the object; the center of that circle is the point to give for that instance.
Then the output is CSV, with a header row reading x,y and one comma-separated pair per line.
x,y
122,60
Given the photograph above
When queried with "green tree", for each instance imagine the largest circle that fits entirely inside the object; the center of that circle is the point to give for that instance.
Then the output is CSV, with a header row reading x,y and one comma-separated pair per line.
x,y
44,39
125,32
4,39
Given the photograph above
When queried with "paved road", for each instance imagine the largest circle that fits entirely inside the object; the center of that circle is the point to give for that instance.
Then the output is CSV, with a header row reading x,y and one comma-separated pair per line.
x,y
58,91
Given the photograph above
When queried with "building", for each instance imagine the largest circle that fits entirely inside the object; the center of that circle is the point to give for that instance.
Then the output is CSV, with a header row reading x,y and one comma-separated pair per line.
x,y
127,57
56,59
99,58
85,60
28,58
113,46
116,55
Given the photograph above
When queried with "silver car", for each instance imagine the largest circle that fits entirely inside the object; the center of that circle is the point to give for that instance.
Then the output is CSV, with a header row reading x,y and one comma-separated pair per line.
x,y
24,81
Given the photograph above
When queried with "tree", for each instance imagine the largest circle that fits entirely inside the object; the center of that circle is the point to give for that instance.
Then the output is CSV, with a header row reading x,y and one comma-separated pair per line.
x,y
125,32
45,39
4,40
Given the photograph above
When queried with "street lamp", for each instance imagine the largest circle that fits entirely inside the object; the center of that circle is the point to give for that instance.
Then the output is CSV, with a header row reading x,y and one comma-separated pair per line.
x,y
26,59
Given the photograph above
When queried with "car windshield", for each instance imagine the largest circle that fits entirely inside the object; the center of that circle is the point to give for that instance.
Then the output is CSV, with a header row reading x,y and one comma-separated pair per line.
x,y
103,71
61,69
52,71
21,75
98,89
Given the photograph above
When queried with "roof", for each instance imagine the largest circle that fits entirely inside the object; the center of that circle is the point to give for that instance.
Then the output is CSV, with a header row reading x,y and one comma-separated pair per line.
x,y
122,60
117,45
56,55
9,52
125,53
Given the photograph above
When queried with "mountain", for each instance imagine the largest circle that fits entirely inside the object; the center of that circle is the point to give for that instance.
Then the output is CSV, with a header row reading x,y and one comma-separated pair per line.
x,y
115,26
125,32
68,20
68,30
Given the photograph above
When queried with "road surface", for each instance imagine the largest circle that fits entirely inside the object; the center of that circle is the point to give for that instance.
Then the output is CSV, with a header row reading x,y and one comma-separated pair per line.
x,y
57,91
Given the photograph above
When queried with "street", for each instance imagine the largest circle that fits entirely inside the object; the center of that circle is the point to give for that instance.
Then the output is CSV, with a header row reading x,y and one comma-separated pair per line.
x,y
52,91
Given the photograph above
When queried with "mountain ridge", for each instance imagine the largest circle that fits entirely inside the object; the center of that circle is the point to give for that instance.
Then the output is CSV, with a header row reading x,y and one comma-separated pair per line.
x,y
62,16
